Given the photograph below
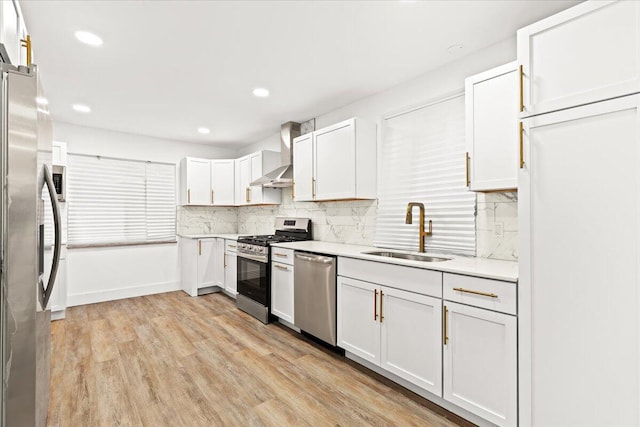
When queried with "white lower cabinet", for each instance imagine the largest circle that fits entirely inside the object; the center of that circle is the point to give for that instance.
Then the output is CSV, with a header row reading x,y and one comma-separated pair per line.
x,y
231,268
397,330
206,263
282,284
201,264
480,369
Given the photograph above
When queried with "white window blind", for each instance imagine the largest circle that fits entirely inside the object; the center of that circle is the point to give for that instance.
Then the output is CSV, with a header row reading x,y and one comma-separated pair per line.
x,y
113,201
422,160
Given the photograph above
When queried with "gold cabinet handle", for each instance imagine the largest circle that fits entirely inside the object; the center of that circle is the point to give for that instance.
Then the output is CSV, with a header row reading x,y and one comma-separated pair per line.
x,y
280,267
445,338
381,315
313,188
521,158
233,246
521,77
225,261
466,165
248,194
375,304
189,196
470,291
199,247
26,43
211,196
280,255
293,193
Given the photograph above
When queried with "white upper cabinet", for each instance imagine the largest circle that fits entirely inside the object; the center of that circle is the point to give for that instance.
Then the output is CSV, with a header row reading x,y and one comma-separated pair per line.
x,y
222,182
492,129
195,181
342,161
588,53
13,31
250,168
303,167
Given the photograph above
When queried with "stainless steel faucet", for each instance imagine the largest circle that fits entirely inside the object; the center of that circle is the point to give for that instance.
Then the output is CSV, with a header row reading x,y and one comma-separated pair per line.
x,y
409,220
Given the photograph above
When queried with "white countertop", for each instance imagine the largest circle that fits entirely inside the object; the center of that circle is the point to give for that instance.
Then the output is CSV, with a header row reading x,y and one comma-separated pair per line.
x,y
471,266
211,236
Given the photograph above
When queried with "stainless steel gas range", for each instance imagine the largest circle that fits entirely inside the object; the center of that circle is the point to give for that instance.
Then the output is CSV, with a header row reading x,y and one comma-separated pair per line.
x,y
254,264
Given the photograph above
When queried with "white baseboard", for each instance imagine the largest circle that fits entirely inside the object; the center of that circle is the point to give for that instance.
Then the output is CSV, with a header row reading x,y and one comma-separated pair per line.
x,y
58,314
121,293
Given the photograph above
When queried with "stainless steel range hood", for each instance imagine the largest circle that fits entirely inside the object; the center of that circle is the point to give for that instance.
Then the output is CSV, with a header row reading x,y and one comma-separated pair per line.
x,y
283,175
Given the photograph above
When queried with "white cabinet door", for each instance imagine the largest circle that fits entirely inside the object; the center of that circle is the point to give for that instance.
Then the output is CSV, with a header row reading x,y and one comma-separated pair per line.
x,y
231,273
10,32
578,301
198,181
480,362
206,263
358,318
282,291
492,128
219,261
255,192
411,345
335,160
588,53
303,167
243,177
223,181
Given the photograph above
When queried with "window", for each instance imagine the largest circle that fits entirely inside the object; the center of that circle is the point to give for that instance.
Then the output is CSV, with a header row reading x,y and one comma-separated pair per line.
x,y
113,201
422,160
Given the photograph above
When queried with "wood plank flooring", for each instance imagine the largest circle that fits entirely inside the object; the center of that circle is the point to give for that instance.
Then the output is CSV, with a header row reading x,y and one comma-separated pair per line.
x,y
174,360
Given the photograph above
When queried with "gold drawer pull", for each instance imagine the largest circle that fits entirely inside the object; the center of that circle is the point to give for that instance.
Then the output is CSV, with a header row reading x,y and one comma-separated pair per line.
x,y
445,338
279,267
381,315
469,291
280,255
199,247
375,304
233,246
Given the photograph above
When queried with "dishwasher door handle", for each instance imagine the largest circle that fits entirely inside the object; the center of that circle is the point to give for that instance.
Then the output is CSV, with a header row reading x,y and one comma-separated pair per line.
x,y
315,258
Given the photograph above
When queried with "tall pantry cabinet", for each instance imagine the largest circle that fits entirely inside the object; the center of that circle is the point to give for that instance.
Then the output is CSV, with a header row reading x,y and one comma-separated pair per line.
x,y
579,218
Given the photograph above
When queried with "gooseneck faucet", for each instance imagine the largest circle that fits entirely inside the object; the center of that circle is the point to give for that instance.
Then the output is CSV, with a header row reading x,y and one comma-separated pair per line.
x,y
409,220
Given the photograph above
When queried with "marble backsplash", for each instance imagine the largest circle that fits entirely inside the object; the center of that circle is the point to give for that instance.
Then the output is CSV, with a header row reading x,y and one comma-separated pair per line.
x,y
350,222
353,221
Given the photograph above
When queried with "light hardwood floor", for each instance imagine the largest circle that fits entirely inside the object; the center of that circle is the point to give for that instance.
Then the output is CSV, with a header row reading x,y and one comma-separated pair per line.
x,y
173,360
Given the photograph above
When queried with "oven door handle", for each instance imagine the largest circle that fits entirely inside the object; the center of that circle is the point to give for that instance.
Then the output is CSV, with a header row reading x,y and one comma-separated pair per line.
x,y
253,257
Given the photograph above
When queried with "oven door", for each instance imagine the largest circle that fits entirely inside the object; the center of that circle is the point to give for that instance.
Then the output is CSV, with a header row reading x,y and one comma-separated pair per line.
x,y
253,279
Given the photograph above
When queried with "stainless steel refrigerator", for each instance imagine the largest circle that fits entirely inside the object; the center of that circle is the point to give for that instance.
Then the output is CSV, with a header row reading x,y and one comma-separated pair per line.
x,y
25,187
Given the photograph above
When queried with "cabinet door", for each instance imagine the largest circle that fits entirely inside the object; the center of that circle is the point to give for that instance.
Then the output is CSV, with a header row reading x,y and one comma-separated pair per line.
x,y
243,176
588,53
303,168
206,263
492,128
578,300
222,181
219,261
231,273
480,362
335,161
10,31
411,346
358,318
255,192
198,181
282,291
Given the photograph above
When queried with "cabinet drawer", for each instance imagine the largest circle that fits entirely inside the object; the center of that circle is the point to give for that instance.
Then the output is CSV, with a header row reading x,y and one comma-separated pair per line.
x,y
425,282
485,293
230,246
284,256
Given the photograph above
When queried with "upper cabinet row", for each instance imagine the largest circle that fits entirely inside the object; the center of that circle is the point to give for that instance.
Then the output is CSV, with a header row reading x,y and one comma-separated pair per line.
x,y
336,162
13,32
546,79
225,182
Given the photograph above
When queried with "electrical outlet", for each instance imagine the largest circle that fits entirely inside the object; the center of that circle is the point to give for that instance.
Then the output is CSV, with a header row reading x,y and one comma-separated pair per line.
x,y
498,229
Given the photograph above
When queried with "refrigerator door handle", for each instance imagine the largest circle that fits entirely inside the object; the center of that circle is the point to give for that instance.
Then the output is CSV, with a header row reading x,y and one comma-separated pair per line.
x,y
57,237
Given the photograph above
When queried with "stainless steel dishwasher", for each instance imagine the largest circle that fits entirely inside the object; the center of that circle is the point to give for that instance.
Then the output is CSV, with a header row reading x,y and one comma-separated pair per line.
x,y
314,290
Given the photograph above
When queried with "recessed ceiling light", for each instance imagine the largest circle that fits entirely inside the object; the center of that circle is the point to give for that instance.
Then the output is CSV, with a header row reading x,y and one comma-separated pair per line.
x,y
261,92
42,100
204,131
88,38
81,108
454,48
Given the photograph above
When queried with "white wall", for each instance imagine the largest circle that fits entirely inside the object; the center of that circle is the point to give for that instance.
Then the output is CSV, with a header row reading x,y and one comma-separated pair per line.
x,y
101,274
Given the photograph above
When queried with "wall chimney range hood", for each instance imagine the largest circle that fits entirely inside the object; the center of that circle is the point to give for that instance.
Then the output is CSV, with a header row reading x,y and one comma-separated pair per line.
x,y
283,175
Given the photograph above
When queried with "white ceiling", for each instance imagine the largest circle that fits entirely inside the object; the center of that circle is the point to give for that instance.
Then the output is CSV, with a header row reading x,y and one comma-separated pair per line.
x,y
169,67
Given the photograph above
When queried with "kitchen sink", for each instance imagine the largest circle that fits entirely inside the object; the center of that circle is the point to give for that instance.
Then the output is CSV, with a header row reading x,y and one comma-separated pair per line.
x,y
401,255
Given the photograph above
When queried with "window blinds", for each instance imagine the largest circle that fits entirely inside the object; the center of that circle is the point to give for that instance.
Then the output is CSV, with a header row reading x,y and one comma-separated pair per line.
x,y
423,160
113,201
